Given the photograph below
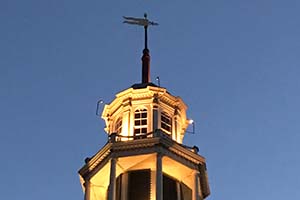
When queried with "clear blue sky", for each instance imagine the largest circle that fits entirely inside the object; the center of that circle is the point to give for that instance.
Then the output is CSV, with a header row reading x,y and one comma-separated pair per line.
x,y
235,63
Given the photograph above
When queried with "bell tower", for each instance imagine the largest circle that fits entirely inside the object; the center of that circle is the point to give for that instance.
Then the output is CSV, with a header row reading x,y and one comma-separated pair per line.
x,y
144,158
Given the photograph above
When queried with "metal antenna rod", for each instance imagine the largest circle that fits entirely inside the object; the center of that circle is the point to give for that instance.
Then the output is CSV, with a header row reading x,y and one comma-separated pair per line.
x,y
97,109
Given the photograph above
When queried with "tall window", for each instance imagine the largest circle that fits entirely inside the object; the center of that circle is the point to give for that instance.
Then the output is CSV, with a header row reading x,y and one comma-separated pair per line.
x,y
139,185
140,122
166,122
118,126
135,187
174,190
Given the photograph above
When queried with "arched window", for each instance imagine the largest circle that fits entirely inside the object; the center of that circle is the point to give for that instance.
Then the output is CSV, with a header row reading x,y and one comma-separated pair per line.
x,y
118,126
166,122
140,122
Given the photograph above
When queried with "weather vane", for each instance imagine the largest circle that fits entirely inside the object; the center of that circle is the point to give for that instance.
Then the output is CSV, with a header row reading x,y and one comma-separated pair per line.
x,y
140,22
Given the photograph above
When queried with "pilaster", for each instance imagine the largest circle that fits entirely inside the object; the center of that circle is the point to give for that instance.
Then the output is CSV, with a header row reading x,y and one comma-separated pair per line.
x,y
159,177
87,190
112,180
195,191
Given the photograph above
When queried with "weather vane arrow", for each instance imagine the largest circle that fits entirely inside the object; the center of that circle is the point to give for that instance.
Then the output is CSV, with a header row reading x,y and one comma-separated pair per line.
x,y
146,56
140,22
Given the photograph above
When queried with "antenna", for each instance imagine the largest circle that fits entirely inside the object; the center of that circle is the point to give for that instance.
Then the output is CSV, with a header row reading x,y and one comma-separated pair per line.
x,y
158,80
100,101
191,122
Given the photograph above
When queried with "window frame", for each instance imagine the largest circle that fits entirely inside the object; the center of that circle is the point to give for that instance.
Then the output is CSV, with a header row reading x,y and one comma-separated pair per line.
x,y
166,122
140,122
118,126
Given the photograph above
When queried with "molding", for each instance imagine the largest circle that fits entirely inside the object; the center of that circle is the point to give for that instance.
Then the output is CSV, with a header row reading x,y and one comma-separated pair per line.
x,y
141,95
159,144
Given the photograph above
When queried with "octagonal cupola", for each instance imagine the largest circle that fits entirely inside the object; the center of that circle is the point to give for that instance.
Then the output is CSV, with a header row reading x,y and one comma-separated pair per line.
x,y
139,111
142,109
144,157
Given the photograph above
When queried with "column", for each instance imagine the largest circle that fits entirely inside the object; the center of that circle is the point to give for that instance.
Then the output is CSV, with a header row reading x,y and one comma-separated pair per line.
x,y
87,190
159,177
155,118
153,184
112,180
196,186
178,191
175,131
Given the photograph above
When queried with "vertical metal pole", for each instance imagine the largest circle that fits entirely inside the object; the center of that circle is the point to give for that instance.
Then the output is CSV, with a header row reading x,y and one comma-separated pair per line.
x,y
146,37
194,127
146,61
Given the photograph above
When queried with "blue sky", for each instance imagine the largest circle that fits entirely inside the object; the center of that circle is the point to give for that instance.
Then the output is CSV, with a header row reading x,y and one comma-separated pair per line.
x,y
235,63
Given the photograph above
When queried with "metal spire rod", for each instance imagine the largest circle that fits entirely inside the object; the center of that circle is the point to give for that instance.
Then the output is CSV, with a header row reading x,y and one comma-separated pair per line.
x,y
146,57
146,37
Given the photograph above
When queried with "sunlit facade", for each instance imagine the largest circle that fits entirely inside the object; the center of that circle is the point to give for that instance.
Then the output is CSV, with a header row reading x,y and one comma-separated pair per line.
x,y
144,158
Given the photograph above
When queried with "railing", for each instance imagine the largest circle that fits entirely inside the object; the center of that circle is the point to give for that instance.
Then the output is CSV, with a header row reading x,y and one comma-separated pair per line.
x,y
115,137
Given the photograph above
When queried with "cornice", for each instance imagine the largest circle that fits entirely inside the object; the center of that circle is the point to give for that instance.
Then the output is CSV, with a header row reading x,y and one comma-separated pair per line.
x,y
96,159
161,143
143,94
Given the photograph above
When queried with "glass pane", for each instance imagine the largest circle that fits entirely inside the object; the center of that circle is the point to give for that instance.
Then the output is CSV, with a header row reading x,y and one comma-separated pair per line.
x,y
166,122
144,122
144,115
137,115
165,119
166,127
136,131
144,130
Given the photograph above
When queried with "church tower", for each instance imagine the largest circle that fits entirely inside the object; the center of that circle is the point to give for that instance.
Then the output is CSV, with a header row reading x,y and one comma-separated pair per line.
x,y
144,158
